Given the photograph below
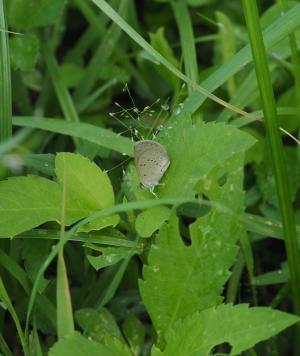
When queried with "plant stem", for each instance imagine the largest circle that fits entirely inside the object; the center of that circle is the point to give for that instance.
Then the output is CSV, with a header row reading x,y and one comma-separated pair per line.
x,y
275,144
5,80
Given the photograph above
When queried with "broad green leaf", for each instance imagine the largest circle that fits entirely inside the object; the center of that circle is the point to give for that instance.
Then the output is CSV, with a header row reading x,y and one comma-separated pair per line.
x,y
134,331
240,326
84,180
150,220
24,51
180,279
23,204
27,202
34,13
194,150
88,184
78,345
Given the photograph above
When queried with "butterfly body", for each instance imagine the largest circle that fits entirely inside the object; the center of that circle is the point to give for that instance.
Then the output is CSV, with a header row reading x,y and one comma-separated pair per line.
x,y
151,161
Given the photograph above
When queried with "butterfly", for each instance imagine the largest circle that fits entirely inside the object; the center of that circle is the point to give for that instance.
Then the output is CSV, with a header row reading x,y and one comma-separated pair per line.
x,y
151,161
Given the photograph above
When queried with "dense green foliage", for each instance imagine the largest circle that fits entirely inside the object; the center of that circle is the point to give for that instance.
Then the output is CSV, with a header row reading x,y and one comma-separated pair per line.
x,y
90,263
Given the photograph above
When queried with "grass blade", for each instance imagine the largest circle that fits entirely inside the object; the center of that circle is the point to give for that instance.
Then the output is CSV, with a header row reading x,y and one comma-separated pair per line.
x,y
187,40
101,56
65,322
92,133
110,12
5,80
242,58
273,34
6,300
62,93
277,157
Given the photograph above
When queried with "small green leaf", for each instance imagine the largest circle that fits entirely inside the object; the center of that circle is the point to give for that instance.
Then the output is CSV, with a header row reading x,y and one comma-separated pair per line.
x,y
98,324
24,51
85,180
273,277
112,71
34,253
159,42
88,185
64,313
71,74
100,223
34,13
240,326
109,255
77,345
134,332
150,220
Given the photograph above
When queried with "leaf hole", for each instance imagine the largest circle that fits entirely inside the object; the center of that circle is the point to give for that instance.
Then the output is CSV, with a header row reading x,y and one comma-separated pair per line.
x,y
222,349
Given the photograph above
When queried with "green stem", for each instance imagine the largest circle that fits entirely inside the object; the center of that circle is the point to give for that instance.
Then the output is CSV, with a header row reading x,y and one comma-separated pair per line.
x,y
5,80
275,144
235,279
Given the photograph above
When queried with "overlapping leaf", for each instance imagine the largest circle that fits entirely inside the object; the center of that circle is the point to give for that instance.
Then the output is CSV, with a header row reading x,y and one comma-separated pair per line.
x,y
27,202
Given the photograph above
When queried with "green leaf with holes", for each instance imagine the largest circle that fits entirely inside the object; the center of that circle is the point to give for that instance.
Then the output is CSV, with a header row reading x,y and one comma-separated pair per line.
x,y
180,279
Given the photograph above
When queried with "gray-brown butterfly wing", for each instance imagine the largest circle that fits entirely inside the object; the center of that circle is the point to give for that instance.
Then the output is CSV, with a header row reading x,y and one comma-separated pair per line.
x,y
151,161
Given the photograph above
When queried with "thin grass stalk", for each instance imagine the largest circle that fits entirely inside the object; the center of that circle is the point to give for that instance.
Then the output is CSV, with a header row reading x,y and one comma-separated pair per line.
x,y
295,62
276,148
187,40
5,79
294,55
65,321
62,92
